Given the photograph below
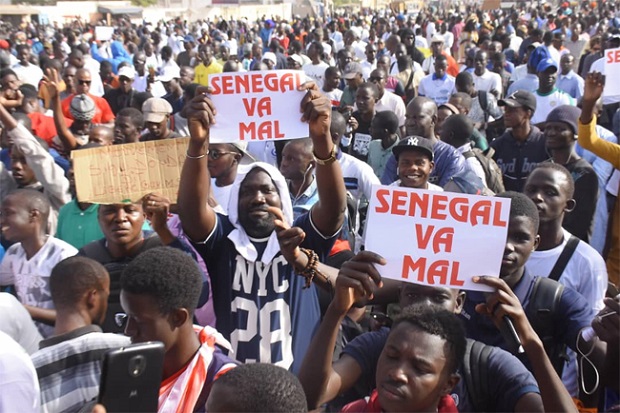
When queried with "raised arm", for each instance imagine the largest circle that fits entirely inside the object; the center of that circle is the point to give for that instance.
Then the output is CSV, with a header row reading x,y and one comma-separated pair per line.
x,y
502,303
328,213
64,133
197,216
588,138
322,380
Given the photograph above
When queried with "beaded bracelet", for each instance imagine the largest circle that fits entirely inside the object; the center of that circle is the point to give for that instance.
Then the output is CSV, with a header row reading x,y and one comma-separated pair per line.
x,y
312,269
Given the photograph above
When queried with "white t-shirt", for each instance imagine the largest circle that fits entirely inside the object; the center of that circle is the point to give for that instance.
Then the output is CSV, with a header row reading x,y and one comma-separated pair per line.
x,y
488,81
437,89
221,194
31,276
334,96
30,74
316,72
393,102
585,272
16,322
18,378
546,103
358,176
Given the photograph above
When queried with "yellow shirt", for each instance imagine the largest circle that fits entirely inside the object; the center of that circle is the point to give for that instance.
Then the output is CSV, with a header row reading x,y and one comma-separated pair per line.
x,y
202,72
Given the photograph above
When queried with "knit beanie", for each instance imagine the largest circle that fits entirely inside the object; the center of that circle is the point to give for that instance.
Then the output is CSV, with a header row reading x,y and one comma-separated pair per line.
x,y
82,108
567,114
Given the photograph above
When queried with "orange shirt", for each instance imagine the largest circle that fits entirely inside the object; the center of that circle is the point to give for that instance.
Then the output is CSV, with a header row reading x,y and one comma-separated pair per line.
x,y
103,112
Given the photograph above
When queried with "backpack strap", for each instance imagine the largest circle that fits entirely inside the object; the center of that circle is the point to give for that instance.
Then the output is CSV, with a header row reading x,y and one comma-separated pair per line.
x,y
475,372
565,256
469,154
542,313
483,99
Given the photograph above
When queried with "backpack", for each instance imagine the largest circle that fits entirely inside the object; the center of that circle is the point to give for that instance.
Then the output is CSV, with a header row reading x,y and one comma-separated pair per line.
x,y
475,374
492,173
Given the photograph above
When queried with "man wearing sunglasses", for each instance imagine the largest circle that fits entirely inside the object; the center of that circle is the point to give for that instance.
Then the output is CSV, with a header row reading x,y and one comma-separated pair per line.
x,y
83,81
224,161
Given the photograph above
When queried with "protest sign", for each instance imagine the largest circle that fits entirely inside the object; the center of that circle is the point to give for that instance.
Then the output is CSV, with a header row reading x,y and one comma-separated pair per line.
x,y
261,105
612,69
103,33
437,238
122,173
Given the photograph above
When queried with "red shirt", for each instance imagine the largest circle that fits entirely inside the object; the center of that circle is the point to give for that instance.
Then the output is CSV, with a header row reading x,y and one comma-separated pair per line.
x,y
103,112
446,405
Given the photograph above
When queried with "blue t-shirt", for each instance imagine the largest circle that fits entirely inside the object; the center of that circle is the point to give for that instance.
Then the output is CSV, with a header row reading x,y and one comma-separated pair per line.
x,y
508,378
263,310
448,162
573,313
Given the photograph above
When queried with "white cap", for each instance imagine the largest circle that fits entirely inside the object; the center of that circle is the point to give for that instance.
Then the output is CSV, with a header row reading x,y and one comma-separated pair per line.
x,y
270,56
127,71
169,73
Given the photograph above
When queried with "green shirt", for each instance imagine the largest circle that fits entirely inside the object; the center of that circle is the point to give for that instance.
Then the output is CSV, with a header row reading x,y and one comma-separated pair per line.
x,y
78,227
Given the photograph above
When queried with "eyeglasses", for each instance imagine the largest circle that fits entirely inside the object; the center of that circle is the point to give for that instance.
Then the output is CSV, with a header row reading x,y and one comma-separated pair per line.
x,y
120,319
84,82
215,154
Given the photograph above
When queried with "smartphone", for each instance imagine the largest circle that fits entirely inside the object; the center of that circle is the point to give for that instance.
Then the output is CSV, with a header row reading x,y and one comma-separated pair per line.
x,y
130,378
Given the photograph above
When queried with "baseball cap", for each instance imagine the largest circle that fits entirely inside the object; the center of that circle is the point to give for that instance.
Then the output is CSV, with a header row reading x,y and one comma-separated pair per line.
x,y
189,39
169,73
127,71
242,147
271,56
352,69
156,109
533,45
437,38
538,55
520,98
545,64
296,58
414,143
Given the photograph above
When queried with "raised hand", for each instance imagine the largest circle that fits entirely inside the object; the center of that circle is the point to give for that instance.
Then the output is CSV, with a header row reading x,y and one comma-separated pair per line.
x,y
200,116
357,280
316,109
51,81
289,238
593,88
156,208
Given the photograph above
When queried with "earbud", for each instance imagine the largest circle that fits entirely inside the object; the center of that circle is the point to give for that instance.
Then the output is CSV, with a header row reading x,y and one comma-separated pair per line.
x,y
308,168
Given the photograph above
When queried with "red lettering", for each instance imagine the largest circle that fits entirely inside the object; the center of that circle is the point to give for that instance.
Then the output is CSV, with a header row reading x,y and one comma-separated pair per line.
x,y
249,105
244,129
399,199
271,82
439,205
423,237
497,214
215,85
227,85
482,210
613,56
438,269
443,237
454,275
459,209
418,200
383,204
409,264
257,83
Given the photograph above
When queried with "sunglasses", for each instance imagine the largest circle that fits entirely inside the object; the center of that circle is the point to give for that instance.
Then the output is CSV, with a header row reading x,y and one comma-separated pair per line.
x,y
84,82
215,154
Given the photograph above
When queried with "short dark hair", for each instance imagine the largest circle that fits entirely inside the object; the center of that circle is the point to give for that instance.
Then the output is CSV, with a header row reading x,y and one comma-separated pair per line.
x,y
33,199
387,120
464,79
462,127
6,72
441,59
438,322
167,274
29,91
522,206
74,276
281,392
371,87
557,167
137,118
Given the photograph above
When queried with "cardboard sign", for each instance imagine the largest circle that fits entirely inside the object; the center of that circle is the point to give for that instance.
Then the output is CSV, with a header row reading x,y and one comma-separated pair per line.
x,y
612,69
491,5
104,33
122,173
437,238
257,106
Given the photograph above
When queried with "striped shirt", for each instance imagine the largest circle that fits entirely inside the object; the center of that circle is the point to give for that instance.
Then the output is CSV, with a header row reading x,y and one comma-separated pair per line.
x,y
69,367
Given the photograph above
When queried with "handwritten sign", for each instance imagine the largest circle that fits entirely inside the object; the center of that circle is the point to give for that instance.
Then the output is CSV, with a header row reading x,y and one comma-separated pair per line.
x,y
612,67
257,106
118,173
103,33
437,238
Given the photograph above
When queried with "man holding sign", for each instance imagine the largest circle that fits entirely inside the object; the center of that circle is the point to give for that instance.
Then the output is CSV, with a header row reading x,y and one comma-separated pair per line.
x,y
252,283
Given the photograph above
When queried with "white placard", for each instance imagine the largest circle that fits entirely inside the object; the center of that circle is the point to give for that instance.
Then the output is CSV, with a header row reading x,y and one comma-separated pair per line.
x,y
257,106
437,238
104,33
612,72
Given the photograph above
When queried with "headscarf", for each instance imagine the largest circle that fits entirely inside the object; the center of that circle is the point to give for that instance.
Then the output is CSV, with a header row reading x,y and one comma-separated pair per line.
x,y
238,236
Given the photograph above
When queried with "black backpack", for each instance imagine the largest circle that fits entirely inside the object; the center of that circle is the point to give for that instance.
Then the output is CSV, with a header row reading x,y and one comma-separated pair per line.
x,y
475,374
492,173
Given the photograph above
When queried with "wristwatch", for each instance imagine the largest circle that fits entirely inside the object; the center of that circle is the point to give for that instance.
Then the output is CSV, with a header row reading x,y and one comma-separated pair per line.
x,y
328,161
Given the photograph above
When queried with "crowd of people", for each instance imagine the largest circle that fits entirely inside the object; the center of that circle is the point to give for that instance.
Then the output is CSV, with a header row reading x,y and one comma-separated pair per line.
x,y
256,278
